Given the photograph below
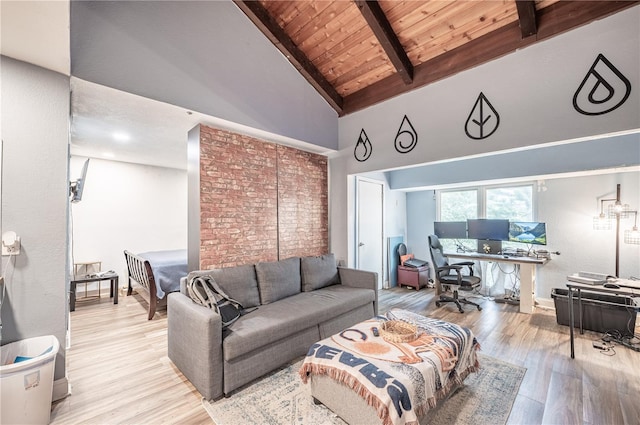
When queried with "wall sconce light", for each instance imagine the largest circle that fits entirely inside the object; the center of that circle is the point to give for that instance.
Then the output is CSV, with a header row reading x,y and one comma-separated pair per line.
x,y
616,211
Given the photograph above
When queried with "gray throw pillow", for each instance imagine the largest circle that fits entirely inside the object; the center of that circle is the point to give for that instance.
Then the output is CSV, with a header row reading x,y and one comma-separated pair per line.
x,y
318,272
278,279
238,282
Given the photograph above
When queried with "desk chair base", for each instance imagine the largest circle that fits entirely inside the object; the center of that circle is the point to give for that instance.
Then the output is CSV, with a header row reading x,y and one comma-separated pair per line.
x,y
458,301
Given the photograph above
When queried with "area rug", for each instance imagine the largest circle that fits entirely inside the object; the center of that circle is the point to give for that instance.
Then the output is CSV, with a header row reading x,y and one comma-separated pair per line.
x,y
281,398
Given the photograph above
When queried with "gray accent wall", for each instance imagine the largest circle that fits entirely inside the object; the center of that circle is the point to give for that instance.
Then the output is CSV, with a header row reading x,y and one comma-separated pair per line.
x,y
206,56
35,185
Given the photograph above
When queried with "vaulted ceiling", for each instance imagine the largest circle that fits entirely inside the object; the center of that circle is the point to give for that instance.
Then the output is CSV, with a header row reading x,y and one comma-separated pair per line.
x,y
358,53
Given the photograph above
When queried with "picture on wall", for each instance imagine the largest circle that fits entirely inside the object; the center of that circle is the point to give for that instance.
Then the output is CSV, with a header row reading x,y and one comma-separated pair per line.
x,y
407,137
483,120
602,90
363,148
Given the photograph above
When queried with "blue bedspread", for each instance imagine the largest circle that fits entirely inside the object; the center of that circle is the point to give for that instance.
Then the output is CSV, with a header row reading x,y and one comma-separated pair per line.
x,y
168,267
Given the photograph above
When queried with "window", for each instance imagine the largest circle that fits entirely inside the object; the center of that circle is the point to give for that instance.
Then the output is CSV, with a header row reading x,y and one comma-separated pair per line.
x,y
458,205
510,202
515,203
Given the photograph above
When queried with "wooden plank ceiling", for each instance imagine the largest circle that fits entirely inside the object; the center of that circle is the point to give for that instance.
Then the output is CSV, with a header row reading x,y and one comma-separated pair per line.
x,y
358,53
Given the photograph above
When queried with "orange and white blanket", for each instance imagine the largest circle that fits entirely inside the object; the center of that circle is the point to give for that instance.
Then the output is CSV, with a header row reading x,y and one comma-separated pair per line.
x,y
402,381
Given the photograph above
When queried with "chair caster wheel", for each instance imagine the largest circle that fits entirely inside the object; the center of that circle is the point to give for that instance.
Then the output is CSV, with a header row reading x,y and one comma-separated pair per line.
x,y
462,311
479,308
438,304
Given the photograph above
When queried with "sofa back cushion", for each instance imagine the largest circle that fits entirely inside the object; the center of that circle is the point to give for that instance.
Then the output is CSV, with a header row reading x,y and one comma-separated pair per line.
x,y
278,279
238,282
318,272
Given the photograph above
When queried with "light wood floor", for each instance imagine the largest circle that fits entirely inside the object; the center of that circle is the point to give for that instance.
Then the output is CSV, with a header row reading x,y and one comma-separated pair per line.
x,y
120,374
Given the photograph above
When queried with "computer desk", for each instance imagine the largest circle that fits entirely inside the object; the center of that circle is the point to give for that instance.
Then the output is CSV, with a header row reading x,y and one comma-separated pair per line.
x,y
527,268
631,290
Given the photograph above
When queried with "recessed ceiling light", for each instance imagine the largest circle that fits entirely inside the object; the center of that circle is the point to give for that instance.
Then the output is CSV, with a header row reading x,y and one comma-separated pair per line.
x,y
121,137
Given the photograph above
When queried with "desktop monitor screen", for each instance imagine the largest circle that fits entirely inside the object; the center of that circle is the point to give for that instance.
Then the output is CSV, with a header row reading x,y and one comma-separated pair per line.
x,y
528,232
450,229
488,229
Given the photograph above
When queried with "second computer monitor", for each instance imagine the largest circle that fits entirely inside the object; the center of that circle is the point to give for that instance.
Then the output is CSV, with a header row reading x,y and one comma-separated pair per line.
x,y
488,229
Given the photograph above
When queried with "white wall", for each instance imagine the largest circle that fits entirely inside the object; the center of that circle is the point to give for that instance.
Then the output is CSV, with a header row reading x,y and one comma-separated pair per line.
x,y
35,134
568,207
127,206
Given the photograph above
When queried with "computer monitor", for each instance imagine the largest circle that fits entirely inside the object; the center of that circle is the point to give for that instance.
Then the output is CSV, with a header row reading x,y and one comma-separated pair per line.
x,y
528,232
450,229
488,229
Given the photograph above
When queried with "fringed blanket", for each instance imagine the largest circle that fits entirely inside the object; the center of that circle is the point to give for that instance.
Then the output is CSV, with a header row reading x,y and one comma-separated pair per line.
x,y
402,381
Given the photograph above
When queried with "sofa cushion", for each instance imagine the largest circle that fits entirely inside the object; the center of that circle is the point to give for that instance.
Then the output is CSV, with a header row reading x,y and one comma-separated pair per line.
x,y
318,272
290,316
238,282
278,279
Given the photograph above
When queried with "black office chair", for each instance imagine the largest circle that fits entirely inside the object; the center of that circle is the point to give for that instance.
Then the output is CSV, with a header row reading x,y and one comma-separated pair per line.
x,y
456,281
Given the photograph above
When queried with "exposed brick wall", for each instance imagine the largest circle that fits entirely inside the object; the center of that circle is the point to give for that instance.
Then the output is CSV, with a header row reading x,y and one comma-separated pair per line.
x,y
259,201
238,199
302,203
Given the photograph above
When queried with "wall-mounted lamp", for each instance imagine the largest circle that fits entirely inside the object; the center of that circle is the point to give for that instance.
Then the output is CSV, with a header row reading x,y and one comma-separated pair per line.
x,y
616,211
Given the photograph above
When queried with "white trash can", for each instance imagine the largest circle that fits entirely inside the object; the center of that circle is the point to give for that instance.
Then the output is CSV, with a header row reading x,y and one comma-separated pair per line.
x,y
26,380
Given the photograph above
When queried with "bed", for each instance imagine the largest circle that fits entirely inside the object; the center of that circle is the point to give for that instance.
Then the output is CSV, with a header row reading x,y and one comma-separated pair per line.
x,y
157,273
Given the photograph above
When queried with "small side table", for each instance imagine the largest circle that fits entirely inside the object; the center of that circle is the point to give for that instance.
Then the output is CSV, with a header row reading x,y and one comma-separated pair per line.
x,y
416,277
113,290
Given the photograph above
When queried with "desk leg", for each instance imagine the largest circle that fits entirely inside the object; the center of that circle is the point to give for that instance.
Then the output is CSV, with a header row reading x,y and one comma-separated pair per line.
x,y
527,287
571,324
114,289
72,296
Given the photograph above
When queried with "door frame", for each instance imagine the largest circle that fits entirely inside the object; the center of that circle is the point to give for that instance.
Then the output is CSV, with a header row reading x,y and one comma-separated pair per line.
x,y
357,225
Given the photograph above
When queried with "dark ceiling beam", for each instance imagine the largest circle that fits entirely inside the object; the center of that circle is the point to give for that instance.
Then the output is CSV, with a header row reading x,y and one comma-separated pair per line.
x,y
270,28
552,20
527,17
379,24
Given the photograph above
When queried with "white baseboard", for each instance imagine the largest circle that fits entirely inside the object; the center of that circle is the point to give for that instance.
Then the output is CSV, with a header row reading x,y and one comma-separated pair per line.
x,y
61,389
545,303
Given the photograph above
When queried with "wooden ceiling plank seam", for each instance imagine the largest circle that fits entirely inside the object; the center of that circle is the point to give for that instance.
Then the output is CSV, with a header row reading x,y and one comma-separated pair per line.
x,y
363,81
381,27
450,21
338,44
552,20
407,14
267,24
527,17
302,22
342,70
281,11
446,39
337,15
416,20
347,72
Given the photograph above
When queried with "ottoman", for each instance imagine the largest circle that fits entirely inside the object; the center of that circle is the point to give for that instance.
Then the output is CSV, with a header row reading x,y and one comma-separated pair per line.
x,y
366,379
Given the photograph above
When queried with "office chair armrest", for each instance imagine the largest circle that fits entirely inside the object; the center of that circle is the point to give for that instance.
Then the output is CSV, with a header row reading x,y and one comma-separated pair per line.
x,y
468,264
450,267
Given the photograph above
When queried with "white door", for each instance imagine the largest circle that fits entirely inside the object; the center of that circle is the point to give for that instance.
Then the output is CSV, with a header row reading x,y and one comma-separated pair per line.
x,y
369,249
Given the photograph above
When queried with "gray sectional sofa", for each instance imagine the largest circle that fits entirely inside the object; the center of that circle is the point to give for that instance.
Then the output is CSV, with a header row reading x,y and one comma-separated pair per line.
x,y
297,301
